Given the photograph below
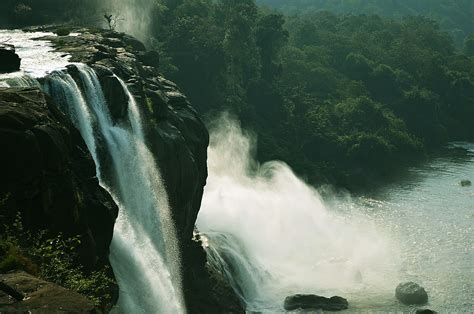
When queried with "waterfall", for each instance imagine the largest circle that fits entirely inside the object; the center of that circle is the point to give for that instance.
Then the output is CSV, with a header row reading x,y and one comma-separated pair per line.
x,y
273,235
18,79
143,254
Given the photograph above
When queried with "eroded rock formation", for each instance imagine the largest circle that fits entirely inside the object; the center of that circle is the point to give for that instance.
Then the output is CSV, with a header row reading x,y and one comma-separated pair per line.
x,y
48,175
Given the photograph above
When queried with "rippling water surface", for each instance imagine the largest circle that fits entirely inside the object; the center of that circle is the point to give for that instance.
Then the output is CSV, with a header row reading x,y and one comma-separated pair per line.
x,y
38,56
430,217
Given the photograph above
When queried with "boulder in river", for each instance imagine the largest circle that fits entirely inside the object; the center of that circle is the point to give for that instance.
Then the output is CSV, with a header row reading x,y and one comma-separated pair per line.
x,y
315,302
411,293
9,60
425,311
466,183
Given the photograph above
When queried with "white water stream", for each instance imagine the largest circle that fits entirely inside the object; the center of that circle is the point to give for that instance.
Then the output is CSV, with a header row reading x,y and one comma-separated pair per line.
x,y
276,234
143,253
273,235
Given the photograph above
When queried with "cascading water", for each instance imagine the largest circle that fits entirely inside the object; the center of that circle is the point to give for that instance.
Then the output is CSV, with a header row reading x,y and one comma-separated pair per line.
x,y
272,235
143,253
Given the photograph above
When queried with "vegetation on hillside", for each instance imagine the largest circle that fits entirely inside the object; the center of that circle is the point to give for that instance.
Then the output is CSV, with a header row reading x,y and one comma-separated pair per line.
x,y
53,258
455,16
19,13
341,98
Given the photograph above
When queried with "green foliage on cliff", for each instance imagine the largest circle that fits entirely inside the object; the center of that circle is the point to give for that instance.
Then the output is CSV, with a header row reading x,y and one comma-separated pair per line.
x,y
337,97
52,258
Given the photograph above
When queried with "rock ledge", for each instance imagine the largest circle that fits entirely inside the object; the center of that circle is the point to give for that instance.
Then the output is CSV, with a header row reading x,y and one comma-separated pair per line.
x,y
42,297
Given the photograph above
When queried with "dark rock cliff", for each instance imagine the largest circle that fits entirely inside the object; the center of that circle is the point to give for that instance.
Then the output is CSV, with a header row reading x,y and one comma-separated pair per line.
x,y
48,175
176,136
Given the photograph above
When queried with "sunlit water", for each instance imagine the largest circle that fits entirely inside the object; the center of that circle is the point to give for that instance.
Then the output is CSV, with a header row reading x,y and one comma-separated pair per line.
x,y
143,251
38,57
431,217
274,236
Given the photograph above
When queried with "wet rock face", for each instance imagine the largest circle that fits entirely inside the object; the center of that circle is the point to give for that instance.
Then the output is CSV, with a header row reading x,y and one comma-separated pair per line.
x,y
410,293
48,175
9,60
315,302
175,134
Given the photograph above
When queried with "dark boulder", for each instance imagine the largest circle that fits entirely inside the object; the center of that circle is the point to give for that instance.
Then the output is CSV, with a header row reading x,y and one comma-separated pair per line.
x,y
425,311
9,60
134,43
113,42
315,302
151,58
411,293
127,40
466,183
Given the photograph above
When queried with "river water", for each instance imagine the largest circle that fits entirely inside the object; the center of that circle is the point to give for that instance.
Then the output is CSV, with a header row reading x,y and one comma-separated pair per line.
x,y
38,57
430,216
273,235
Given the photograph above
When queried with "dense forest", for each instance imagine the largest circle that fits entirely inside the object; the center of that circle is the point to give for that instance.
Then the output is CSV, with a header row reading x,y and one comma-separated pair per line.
x,y
455,16
337,97
18,13
341,98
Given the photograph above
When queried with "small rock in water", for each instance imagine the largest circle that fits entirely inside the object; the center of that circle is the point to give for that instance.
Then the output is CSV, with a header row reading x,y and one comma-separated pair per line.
x,y
466,183
9,60
358,277
425,311
315,302
411,293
